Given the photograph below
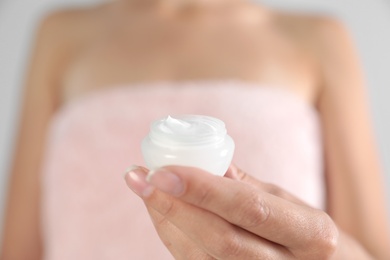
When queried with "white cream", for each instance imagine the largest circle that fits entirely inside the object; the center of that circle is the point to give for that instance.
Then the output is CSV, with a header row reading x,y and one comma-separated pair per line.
x,y
189,140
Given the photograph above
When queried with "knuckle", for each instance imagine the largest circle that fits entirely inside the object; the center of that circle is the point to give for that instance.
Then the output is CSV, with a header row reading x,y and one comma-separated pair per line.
x,y
158,220
254,211
204,196
326,237
227,245
167,208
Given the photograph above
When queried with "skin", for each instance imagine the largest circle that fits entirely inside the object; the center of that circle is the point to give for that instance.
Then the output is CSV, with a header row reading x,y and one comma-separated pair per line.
x,y
80,51
201,216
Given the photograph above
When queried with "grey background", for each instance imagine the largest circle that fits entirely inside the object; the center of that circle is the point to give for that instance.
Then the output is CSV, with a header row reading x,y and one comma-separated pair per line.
x,y
368,21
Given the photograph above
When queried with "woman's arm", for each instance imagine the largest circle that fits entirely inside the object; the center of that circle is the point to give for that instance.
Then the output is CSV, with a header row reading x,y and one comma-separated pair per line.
x,y
356,199
22,238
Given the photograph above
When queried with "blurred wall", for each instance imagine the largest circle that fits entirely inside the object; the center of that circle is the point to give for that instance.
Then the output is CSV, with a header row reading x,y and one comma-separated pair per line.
x,y
368,20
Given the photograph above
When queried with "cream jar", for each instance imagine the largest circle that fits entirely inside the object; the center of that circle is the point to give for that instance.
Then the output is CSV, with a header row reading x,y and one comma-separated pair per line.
x,y
189,140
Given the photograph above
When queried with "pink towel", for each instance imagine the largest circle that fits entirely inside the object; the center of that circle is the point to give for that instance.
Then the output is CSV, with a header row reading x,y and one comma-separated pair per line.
x,y
89,213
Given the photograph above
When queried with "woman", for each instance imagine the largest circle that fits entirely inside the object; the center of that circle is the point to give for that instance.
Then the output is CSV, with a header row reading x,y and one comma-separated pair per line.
x,y
290,90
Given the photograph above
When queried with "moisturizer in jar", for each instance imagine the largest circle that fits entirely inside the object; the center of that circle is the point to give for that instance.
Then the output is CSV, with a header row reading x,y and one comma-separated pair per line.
x,y
189,140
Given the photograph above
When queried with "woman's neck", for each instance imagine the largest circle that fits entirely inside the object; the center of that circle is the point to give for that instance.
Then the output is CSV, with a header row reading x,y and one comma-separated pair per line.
x,y
171,9
178,4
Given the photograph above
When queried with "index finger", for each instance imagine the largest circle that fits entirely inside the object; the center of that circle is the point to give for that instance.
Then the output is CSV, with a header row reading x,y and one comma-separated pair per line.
x,y
275,219
237,174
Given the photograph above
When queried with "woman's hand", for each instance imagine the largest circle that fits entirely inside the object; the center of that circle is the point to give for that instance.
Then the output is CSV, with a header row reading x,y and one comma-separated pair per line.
x,y
202,216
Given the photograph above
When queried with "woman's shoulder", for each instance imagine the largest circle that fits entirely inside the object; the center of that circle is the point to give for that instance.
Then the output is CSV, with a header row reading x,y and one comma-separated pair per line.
x,y
326,40
67,29
69,21
309,28
319,34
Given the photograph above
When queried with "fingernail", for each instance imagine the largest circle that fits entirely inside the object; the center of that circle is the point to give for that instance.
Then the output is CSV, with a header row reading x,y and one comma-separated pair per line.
x,y
135,179
130,169
165,181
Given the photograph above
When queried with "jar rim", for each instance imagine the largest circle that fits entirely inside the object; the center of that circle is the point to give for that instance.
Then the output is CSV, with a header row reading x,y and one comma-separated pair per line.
x,y
215,136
